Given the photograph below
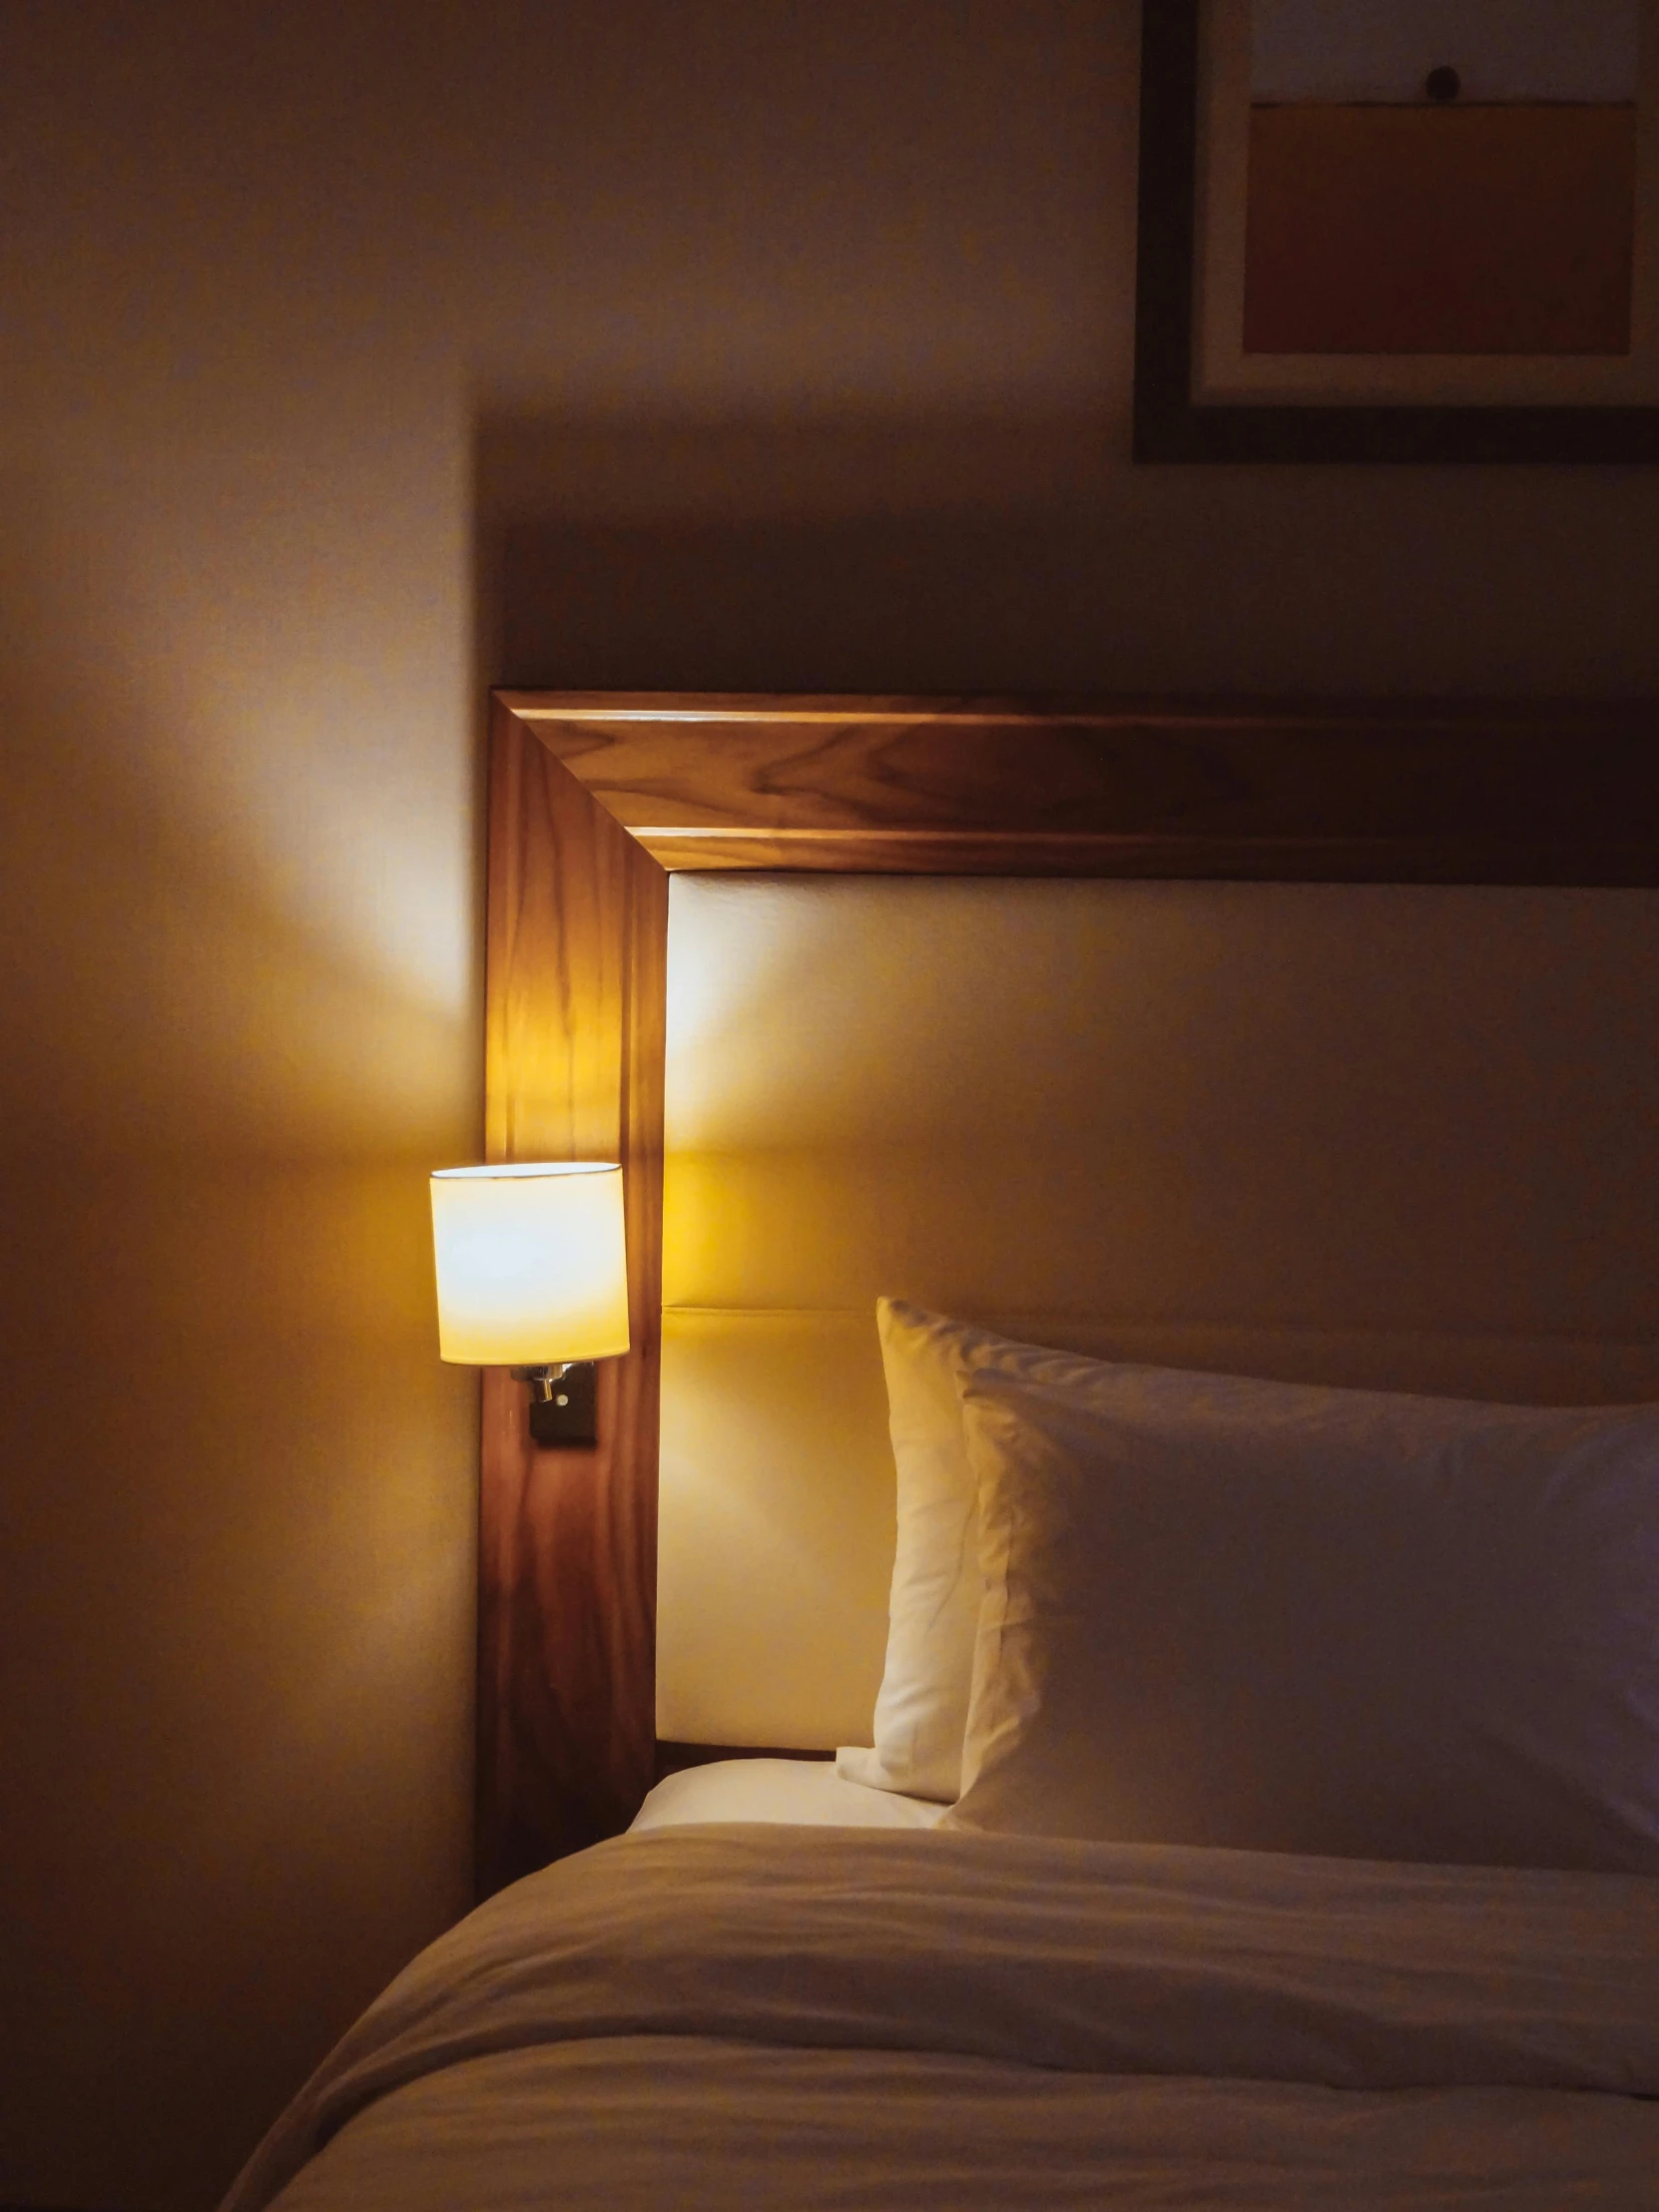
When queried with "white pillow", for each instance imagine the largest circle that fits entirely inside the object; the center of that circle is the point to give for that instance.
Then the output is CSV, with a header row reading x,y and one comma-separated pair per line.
x,y
933,1610
1270,1616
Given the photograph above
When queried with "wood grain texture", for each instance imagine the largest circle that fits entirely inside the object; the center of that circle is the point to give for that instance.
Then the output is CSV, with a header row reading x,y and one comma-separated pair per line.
x,y
591,792
1264,860
577,939
1406,792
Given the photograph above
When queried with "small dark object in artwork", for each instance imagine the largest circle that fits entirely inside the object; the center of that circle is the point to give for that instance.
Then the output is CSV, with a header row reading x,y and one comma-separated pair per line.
x,y
1442,83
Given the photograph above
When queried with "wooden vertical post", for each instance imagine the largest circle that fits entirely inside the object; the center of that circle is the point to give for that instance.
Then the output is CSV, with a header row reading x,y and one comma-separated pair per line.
x,y
577,942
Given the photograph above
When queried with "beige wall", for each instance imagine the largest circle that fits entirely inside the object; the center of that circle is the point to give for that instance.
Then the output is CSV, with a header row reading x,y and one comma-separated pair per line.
x,y
354,352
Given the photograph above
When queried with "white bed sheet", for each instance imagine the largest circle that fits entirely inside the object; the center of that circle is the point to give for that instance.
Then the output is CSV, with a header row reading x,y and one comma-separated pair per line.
x,y
734,2016
798,1793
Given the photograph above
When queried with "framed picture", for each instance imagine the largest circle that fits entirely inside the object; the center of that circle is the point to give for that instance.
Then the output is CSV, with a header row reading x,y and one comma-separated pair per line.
x,y
1398,230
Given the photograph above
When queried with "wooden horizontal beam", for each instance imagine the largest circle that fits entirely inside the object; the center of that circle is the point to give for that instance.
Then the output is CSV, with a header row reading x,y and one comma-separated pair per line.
x,y
1410,791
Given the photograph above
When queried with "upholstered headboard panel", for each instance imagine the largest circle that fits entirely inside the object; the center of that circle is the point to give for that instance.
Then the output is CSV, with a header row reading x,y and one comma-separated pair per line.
x,y
1394,1135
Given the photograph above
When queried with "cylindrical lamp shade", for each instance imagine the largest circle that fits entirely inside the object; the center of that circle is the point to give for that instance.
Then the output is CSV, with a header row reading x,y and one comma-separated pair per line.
x,y
531,1264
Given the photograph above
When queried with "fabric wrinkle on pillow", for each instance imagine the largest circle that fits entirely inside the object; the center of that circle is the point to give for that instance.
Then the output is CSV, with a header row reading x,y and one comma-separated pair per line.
x,y
1284,1617
933,1610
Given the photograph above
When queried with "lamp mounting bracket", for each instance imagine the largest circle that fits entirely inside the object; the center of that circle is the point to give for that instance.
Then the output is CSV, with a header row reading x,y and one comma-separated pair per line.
x,y
563,1408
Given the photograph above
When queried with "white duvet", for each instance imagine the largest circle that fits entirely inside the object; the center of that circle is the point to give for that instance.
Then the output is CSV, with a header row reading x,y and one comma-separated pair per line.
x,y
729,2016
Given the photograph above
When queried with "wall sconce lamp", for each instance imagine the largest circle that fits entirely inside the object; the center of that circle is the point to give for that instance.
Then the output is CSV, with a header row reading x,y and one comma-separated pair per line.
x,y
532,1275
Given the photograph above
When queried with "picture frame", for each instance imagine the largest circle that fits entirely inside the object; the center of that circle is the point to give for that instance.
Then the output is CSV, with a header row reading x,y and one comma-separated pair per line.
x,y
1175,420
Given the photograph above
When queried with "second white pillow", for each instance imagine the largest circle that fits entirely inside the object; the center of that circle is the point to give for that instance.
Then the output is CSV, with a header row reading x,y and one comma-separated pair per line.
x,y
1276,1617
933,1610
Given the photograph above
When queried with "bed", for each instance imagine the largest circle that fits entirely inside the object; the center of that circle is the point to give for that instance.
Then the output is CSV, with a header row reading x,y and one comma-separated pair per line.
x,y
1373,1924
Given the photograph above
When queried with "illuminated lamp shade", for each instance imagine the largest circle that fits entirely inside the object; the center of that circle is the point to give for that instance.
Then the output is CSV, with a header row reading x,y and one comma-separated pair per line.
x,y
532,1275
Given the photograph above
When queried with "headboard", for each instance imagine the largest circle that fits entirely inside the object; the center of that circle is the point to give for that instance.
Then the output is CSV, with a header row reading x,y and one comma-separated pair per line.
x,y
595,798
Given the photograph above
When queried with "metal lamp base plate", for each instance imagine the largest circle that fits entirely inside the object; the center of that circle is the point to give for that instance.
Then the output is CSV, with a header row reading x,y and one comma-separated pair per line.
x,y
567,1419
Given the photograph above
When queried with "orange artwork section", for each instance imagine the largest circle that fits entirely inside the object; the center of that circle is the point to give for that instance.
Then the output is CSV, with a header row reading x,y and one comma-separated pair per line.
x,y
1417,230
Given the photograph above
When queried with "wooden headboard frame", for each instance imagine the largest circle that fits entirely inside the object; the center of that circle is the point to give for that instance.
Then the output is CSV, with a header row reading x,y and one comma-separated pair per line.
x,y
595,798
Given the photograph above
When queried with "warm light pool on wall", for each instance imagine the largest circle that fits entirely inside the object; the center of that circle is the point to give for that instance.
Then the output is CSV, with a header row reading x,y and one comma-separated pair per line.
x,y
532,1275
